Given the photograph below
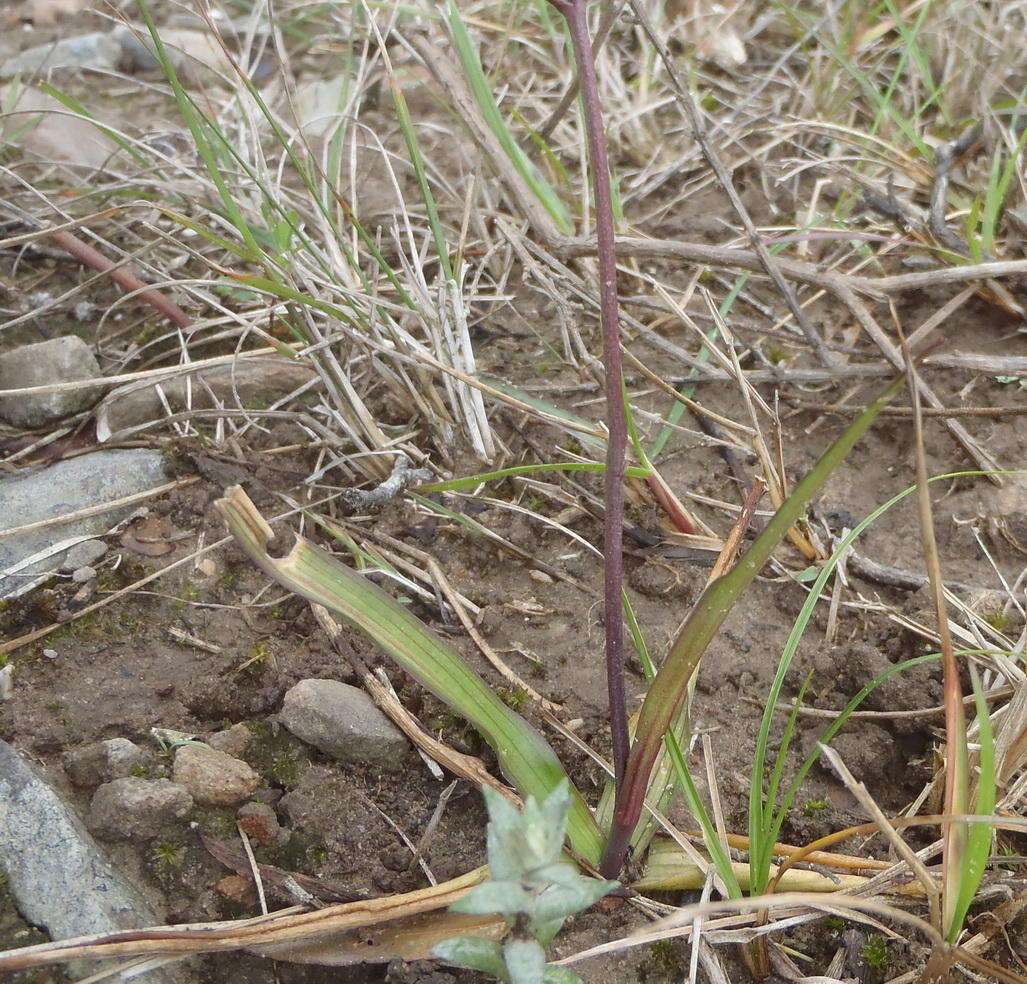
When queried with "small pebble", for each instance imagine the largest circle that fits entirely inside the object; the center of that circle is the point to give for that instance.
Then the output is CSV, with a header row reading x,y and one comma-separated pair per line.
x,y
7,682
260,823
137,809
50,653
236,888
232,742
83,575
540,577
102,761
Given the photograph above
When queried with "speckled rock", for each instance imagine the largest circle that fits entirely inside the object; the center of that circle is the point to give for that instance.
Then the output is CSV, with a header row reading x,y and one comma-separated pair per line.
x,y
59,876
102,761
64,487
212,777
136,809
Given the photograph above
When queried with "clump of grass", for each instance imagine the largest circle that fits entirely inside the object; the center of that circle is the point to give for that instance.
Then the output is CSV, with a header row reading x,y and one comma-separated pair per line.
x,y
814,807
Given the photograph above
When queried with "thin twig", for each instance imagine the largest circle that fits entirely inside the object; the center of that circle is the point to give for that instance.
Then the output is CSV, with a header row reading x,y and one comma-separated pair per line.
x,y
956,765
944,157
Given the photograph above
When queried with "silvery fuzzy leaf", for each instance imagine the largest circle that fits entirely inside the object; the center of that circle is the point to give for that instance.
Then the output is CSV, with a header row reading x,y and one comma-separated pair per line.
x,y
503,898
473,952
560,901
525,961
553,874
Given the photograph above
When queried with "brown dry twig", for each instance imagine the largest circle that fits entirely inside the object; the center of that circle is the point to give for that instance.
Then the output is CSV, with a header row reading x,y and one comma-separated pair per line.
x,y
125,279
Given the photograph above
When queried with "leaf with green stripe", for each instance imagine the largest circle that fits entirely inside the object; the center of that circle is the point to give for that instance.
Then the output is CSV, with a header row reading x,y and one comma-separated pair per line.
x,y
524,756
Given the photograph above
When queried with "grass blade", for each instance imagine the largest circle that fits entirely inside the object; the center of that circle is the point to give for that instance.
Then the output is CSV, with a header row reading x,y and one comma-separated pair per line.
x,y
670,686
524,757
470,481
954,835
978,844
471,66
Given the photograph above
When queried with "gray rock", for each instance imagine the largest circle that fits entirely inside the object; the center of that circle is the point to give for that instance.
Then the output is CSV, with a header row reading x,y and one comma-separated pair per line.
x,y
98,51
102,761
212,777
65,487
136,809
189,51
65,359
343,722
83,554
58,875
38,124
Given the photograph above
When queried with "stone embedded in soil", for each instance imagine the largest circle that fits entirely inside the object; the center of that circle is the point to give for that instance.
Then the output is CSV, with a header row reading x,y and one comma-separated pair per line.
x,y
102,761
83,554
137,809
248,384
67,486
212,777
260,822
58,875
65,359
343,722
98,51
191,52
53,136
232,742
236,888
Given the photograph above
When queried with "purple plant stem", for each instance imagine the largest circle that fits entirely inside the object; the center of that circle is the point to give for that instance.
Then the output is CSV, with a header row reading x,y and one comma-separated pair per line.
x,y
575,13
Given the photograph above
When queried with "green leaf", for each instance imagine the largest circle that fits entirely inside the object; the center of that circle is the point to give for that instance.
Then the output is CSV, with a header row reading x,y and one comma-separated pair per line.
x,y
545,932
473,952
482,91
523,755
502,898
525,961
668,690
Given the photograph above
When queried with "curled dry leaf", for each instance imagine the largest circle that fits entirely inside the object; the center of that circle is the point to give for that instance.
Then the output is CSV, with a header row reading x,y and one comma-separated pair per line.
x,y
149,537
